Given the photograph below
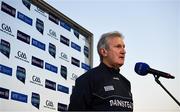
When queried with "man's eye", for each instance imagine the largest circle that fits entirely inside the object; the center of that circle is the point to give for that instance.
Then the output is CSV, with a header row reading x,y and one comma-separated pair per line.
x,y
118,46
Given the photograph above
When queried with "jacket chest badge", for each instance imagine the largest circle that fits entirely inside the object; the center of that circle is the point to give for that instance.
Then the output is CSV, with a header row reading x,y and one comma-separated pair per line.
x,y
109,88
116,78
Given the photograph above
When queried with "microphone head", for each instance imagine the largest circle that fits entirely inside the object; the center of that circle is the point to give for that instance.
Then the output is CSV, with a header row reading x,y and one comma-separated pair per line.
x,y
141,68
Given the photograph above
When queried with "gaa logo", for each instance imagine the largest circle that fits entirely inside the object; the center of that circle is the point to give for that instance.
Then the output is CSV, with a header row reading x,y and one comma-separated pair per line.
x,y
49,104
52,33
22,55
6,28
64,56
74,76
40,12
36,79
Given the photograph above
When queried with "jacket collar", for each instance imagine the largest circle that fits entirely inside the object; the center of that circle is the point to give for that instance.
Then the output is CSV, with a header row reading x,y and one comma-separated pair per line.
x,y
112,70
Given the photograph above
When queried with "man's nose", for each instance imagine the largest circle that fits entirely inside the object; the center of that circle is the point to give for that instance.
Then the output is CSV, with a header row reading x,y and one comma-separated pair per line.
x,y
123,51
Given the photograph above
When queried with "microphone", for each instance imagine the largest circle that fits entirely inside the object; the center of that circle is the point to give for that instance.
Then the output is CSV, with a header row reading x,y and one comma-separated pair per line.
x,y
143,69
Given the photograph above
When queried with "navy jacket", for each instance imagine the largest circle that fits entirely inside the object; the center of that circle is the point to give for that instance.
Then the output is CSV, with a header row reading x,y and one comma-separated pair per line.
x,y
101,88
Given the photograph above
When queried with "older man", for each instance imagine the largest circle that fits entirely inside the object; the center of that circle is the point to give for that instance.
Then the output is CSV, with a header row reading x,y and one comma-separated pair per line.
x,y
103,87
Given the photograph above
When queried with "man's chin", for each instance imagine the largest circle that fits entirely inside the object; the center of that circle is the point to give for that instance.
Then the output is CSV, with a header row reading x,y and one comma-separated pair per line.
x,y
120,64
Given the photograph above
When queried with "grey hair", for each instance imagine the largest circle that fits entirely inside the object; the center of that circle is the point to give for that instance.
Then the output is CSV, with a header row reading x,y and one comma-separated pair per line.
x,y
103,41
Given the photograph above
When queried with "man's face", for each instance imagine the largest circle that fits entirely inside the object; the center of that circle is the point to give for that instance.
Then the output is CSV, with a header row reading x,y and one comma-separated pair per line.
x,y
116,52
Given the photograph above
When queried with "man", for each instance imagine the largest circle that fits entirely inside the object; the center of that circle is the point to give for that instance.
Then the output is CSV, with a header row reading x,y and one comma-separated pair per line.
x,y
103,87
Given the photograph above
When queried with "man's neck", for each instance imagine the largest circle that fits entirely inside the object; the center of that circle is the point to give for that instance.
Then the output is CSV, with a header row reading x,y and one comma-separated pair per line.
x,y
111,65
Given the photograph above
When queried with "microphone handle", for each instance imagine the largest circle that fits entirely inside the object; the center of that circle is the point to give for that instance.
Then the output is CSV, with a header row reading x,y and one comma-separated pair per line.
x,y
160,73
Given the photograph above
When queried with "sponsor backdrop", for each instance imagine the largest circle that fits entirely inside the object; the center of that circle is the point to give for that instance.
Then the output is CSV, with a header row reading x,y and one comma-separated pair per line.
x,y
40,58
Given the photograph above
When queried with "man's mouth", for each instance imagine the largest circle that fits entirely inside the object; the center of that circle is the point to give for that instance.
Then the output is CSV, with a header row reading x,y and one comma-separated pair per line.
x,y
122,57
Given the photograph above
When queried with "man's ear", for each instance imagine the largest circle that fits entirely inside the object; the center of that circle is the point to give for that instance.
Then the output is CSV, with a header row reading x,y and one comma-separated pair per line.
x,y
103,51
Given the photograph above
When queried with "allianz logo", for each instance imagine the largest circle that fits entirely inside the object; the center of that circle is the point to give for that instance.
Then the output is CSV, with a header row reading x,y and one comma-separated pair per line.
x,y
64,56
75,61
36,80
50,84
62,107
37,62
22,56
54,19
6,28
64,40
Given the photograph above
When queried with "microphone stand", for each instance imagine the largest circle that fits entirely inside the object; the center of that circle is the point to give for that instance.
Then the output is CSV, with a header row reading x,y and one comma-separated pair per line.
x,y
157,80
